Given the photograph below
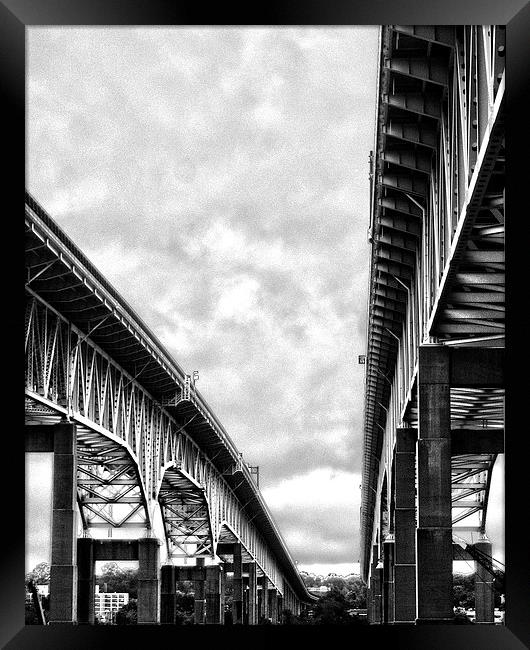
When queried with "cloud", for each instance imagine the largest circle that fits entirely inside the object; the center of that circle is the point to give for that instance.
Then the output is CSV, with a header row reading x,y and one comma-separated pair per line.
x,y
318,509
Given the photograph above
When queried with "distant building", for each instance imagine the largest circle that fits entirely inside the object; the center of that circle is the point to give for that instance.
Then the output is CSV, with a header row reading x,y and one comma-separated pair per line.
x,y
318,591
106,604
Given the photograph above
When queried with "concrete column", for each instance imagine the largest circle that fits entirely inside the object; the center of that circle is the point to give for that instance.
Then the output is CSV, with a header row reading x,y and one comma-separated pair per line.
x,y
213,595
434,569
148,581
375,600
405,527
378,594
370,600
252,594
484,593
199,576
222,588
245,595
388,580
237,602
63,570
168,595
264,597
273,604
86,580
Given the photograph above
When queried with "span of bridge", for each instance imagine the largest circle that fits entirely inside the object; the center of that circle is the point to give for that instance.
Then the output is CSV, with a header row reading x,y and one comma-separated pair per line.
x,y
143,469
434,384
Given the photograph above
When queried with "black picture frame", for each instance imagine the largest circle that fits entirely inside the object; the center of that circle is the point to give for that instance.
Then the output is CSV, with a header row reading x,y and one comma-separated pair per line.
x,y
15,16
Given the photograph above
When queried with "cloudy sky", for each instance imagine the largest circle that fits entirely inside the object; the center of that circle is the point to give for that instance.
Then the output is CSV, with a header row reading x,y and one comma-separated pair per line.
x,y
218,177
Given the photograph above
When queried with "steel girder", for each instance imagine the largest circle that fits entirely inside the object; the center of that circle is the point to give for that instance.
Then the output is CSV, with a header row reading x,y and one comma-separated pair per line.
x,y
437,235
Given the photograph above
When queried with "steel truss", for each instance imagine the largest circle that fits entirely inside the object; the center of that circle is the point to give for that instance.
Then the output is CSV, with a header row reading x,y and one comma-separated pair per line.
x,y
132,454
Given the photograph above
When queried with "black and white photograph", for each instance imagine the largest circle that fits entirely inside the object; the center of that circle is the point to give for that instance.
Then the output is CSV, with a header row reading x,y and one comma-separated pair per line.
x,y
264,329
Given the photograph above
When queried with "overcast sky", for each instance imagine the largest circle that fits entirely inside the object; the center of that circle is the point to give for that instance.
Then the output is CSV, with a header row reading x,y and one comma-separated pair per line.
x,y
218,177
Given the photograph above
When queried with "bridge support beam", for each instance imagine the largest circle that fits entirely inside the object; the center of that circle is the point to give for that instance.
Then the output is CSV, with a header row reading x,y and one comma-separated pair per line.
x,y
168,594
148,581
237,602
264,598
388,580
484,594
63,570
434,569
252,594
405,527
86,580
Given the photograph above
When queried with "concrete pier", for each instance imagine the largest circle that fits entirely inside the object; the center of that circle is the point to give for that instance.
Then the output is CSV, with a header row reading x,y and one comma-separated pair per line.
x,y
274,601
237,602
212,594
168,597
148,581
86,580
252,594
405,527
388,580
434,569
484,592
63,570
264,609
199,576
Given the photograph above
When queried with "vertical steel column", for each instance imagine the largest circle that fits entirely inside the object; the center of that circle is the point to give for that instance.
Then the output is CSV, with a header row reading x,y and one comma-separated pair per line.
x,y
86,580
484,591
237,602
168,595
148,581
405,527
434,571
63,570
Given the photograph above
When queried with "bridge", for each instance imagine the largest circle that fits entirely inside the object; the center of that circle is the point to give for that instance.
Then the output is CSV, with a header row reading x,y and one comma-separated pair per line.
x,y
434,382
142,468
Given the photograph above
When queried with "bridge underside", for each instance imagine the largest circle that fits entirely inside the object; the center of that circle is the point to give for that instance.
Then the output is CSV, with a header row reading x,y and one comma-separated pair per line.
x,y
434,402
138,453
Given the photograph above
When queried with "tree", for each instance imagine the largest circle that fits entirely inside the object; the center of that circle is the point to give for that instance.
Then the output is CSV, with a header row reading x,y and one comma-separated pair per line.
x,y
39,574
464,589
332,608
185,607
118,580
128,614
356,593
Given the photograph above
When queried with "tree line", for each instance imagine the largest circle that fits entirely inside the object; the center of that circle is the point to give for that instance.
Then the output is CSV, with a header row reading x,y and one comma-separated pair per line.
x,y
338,605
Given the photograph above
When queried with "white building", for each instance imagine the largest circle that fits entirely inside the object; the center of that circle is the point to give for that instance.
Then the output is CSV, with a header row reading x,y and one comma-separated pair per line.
x,y
106,604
